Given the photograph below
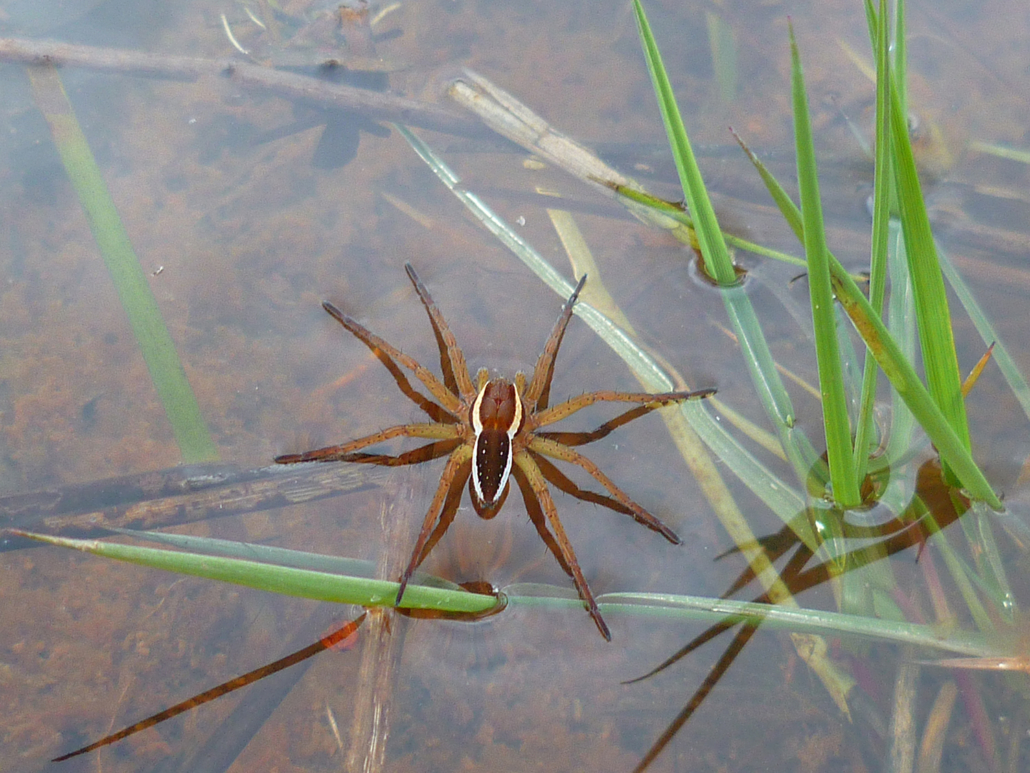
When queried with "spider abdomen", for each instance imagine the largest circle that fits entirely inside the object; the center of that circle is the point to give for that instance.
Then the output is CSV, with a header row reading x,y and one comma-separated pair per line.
x,y
496,417
492,465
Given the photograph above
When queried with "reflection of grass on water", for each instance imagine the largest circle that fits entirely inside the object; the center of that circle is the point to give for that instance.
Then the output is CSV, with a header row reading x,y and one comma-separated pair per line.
x,y
864,464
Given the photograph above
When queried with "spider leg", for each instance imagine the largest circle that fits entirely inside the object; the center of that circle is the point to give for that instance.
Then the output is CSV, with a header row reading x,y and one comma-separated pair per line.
x,y
452,359
578,403
582,438
538,490
459,457
560,480
558,451
434,411
339,453
448,512
447,399
418,455
224,688
540,387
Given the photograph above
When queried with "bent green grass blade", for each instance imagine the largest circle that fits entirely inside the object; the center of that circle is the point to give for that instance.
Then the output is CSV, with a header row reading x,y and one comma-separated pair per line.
x,y
155,342
677,213
322,586
824,319
288,581
904,379
988,334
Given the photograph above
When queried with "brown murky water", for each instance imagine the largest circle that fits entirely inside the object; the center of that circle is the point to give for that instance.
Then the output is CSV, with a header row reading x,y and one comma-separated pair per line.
x,y
244,225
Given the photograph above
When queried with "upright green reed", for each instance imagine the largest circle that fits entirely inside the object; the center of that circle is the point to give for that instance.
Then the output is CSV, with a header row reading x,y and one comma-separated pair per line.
x,y
934,408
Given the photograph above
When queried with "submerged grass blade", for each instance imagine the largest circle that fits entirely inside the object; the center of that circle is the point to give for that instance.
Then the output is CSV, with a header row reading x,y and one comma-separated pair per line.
x,y
824,319
166,371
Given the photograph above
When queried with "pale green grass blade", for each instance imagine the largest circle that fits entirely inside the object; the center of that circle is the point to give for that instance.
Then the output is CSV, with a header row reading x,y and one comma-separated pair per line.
x,y
1001,151
681,607
130,281
1001,355
836,422
723,45
288,581
901,321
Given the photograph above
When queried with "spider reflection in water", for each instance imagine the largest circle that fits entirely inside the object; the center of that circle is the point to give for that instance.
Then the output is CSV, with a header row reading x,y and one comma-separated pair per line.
x,y
491,431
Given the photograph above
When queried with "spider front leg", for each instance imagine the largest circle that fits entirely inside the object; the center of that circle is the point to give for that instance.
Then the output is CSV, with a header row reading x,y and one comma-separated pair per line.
x,y
447,399
539,390
451,355
530,474
339,453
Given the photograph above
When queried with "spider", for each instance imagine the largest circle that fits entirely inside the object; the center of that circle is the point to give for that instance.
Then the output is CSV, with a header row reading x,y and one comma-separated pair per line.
x,y
490,432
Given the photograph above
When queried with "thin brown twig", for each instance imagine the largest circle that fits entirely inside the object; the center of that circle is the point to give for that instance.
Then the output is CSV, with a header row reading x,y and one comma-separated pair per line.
x,y
373,104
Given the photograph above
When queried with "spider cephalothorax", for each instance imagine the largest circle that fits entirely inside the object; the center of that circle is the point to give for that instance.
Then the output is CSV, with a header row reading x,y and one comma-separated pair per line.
x,y
490,433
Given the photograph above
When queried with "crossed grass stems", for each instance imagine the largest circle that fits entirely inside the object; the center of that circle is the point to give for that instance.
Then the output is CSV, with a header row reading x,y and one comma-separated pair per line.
x,y
456,424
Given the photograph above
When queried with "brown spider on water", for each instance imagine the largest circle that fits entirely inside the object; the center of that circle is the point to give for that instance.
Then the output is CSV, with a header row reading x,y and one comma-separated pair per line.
x,y
491,431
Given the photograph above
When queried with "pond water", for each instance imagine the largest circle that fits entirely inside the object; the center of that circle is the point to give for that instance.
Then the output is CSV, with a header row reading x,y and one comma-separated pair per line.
x,y
247,209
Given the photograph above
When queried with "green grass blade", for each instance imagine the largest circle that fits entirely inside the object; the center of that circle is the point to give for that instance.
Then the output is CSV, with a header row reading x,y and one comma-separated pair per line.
x,y
864,441
896,367
904,379
757,356
831,378
937,343
288,581
322,586
270,554
723,44
680,607
166,371
709,236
